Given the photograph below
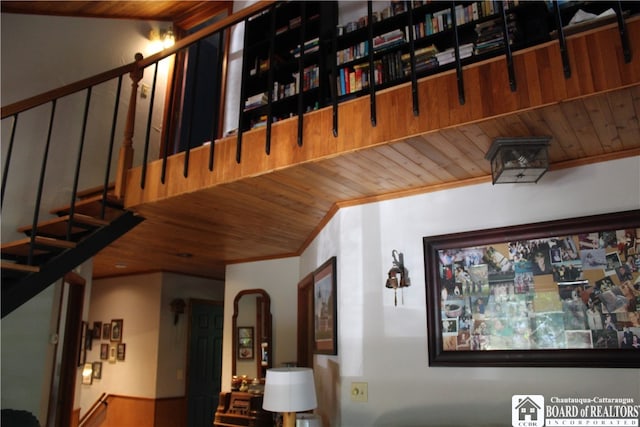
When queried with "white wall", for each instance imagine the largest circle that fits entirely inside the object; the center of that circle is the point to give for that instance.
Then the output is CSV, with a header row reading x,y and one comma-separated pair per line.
x,y
136,300
279,278
41,53
386,346
173,338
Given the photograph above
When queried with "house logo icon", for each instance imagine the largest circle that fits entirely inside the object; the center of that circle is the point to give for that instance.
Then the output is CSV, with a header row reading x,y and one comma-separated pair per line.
x,y
527,410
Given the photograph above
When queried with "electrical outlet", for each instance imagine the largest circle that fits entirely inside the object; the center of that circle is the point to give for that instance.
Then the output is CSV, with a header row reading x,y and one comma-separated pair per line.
x,y
359,392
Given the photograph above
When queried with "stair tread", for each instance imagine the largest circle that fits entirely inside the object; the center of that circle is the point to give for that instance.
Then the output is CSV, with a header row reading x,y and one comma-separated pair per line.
x,y
21,247
19,267
92,206
90,192
58,226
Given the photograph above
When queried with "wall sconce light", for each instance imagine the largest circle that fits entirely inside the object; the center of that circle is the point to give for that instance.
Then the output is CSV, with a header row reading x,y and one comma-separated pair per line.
x,y
398,275
177,307
162,39
289,390
520,159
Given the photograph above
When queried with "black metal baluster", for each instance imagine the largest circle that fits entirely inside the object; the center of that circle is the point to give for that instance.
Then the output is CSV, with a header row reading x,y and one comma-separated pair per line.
x,y
412,56
333,83
507,47
8,159
43,169
76,177
187,153
561,39
270,78
456,48
112,138
215,128
243,95
167,134
146,139
624,35
303,21
372,74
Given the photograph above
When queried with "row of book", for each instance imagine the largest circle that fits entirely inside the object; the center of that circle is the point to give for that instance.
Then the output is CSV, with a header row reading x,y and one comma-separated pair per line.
x,y
490,34
310,46
356,78
311,80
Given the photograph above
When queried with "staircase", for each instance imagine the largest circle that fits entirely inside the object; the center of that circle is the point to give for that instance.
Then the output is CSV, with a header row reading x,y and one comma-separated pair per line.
x,y
56,246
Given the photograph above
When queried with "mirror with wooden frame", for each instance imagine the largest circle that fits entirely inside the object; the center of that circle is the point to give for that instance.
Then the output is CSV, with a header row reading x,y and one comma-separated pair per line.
x,y
252,351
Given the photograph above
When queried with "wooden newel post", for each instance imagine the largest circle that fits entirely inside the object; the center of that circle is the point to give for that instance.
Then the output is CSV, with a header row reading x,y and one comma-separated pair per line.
x,y
125,160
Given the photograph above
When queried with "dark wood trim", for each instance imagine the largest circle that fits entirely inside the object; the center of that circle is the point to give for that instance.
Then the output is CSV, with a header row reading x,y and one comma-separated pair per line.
x,y
305,322
70,350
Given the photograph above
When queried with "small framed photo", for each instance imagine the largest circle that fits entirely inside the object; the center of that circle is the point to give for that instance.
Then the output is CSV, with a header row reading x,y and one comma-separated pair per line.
x,y
97,330
104,351
245,343
122,348
112,353
97,370
106,331
87,374
116,330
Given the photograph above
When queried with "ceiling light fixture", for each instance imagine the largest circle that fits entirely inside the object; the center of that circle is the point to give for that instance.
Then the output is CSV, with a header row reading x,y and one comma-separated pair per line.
x,y
518,159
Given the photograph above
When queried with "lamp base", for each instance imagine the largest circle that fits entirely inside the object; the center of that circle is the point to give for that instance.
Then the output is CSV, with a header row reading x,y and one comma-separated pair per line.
x,y
288,419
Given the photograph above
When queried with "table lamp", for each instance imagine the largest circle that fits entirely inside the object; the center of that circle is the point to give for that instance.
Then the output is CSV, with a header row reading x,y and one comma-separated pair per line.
x,y
289,390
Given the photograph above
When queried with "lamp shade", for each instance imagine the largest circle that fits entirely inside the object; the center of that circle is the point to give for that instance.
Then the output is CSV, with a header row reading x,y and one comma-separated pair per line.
x,y
289,390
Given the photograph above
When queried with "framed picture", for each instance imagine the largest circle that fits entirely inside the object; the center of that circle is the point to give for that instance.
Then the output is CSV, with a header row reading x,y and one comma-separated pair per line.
x,y
116,330
87,374
113,351
122,349
325,308
245,343
82,347
97,330
106,331
558,293
104,351
97,370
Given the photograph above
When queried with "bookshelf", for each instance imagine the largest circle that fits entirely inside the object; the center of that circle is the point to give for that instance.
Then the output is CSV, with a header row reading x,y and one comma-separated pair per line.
x,y
285,56
436,32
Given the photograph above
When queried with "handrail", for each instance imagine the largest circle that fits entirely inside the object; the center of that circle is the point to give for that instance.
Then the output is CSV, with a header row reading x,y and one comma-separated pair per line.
x,y
102,400
43,98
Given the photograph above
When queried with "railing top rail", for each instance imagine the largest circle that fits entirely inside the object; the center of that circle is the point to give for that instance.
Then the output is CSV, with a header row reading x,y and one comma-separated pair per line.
x,y
43,98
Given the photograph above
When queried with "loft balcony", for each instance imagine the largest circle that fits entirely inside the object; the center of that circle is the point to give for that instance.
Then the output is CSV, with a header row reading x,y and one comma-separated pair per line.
x,y
204,209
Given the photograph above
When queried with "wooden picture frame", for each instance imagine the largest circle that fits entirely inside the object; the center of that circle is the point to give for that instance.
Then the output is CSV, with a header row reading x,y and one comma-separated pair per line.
x,y
325,308
82,347
97,330
104,351
97,370
106,331
116,330
122,351
541,294
246,343
87,374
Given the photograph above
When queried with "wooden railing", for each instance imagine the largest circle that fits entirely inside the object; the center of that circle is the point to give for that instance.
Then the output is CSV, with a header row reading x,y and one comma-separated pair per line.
x,y
13,113
101,403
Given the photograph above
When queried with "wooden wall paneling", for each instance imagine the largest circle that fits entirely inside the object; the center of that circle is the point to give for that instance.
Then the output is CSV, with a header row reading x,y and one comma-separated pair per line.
x,y
582,81
625,117
599,112
171,412
130,411
586,140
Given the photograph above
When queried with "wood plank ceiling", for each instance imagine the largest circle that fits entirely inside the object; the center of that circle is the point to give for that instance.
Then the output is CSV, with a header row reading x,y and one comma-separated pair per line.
x,y
277,214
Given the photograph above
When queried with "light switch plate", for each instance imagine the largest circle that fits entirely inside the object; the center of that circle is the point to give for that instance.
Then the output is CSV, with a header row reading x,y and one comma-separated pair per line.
x,y
359,392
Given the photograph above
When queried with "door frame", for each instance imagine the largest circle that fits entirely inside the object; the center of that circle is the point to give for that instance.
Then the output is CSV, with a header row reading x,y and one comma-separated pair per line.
x,y
305,322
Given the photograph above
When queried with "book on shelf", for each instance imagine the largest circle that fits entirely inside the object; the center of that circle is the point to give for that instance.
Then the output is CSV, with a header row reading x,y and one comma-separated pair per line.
x,y
256,100
391,38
